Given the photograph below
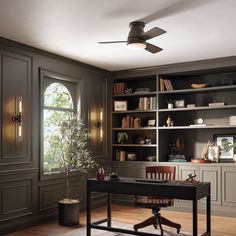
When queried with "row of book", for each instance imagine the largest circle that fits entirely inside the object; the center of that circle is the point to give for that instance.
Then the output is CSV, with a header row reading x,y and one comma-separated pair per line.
x,y
165,84
131,122
147,103
119,88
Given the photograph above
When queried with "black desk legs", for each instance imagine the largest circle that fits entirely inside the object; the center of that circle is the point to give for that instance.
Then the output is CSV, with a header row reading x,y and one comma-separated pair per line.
x,y
109,209
195,219
88,213
208,212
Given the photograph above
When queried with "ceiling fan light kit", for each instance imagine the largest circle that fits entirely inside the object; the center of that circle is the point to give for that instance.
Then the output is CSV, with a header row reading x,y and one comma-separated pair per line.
x,y
136,46
137,37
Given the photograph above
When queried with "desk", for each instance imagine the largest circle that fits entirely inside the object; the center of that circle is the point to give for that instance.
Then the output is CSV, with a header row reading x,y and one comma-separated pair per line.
x,y
174,189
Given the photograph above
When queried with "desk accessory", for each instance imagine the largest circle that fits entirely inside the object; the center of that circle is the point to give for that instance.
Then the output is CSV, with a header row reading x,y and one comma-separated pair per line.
x,y
114,177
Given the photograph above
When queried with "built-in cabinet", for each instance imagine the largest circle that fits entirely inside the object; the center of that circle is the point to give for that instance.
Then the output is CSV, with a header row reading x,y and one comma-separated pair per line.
x,y
228,186
203,100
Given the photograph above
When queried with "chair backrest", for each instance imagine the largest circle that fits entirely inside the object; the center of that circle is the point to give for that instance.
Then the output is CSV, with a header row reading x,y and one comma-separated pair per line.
x,y
160,172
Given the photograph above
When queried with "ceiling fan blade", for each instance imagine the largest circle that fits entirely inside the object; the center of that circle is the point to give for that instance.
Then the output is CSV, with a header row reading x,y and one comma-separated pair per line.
x,y
113,42
152,48
154,32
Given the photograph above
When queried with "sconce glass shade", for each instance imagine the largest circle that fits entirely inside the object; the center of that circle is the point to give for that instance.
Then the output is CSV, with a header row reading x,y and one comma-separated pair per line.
x,y
17,119
101,126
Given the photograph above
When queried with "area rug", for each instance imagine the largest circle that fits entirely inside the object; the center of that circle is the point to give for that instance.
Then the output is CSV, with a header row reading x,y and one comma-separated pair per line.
x,y
94,232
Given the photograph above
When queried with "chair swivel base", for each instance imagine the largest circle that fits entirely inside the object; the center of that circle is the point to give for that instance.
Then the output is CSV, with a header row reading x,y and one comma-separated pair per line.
x,y
156,221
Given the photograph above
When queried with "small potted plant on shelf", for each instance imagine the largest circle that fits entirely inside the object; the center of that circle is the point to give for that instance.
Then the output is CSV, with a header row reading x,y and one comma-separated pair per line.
x,y
122,137
70,145
170,104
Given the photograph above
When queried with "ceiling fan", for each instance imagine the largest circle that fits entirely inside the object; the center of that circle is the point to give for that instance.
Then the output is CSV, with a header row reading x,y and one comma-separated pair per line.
x,y
137,37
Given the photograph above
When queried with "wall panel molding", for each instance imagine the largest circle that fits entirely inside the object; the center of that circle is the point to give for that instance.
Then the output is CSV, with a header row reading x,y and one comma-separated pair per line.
x,y
14,83
16,198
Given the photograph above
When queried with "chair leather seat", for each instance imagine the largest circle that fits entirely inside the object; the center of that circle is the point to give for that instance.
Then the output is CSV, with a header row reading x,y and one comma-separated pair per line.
x,y
148,202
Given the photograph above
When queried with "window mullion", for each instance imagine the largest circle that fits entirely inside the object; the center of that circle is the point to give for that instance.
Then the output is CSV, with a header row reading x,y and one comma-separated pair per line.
x,y
58,109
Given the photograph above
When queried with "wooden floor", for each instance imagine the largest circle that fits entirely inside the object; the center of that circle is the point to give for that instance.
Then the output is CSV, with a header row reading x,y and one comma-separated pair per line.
x,y
221,226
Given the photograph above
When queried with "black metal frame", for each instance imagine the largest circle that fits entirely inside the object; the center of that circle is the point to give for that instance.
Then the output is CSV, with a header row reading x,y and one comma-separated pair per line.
x,y
174,189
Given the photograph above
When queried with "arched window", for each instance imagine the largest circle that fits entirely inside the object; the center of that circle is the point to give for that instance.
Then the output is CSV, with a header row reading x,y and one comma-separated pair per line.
x,y
59,102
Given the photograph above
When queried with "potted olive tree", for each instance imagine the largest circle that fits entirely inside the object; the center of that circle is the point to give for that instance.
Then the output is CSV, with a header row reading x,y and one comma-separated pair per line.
x,y
70,143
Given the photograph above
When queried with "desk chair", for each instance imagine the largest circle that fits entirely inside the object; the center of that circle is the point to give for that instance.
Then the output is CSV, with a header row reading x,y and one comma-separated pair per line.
x,y
156,203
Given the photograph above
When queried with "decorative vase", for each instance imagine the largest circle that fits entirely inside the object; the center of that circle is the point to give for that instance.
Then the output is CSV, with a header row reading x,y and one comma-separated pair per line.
x,y
170,105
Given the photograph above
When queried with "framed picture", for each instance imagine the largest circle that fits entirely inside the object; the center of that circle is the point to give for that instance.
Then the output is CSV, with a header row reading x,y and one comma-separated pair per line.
x,y
214,153
227,144
151,122
120,105
131,156
180,103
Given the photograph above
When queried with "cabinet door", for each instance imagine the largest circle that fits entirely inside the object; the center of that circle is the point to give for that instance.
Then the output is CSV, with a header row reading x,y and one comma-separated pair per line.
x,y
185,170
97,110
212,174
15,83
229,186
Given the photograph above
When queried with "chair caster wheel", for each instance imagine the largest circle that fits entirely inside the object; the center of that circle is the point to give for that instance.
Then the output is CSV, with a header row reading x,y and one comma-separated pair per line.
x,y
178,229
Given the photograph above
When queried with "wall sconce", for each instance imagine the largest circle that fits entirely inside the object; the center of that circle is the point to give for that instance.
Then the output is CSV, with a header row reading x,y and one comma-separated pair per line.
x,y
99,125
17,119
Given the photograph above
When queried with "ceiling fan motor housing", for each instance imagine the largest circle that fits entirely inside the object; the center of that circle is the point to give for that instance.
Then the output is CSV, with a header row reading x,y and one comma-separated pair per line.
x,y
136,30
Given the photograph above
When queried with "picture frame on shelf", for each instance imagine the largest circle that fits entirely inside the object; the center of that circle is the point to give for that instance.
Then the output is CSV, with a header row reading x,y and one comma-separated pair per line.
x,y
151,123
227,144
214,153
120,105
131,156
180,103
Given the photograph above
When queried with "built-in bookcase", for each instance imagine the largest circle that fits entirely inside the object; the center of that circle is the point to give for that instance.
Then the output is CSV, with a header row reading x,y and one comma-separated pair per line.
x,y
134,113
202,104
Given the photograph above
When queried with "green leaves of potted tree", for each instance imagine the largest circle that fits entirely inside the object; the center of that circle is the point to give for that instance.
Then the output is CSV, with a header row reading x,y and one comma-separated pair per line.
x,y
72,154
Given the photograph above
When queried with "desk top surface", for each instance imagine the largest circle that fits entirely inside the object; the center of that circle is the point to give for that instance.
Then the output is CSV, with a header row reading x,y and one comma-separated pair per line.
x,y
151,182
173,189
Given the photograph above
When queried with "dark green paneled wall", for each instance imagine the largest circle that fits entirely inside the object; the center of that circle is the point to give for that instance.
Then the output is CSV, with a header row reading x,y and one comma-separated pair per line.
x,y
27,197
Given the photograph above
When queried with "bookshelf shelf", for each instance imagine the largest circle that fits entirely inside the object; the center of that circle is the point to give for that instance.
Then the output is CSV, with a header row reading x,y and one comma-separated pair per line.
x,y
198,108
134,95
201,90
135,145
133,111
198,127
134,129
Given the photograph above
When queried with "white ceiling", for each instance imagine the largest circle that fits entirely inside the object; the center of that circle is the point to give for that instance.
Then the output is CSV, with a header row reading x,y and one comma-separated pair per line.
x,y
196,29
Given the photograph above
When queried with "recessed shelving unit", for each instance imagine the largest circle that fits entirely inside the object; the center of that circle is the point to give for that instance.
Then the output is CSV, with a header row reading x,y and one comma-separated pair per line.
x,y
221,89
134,120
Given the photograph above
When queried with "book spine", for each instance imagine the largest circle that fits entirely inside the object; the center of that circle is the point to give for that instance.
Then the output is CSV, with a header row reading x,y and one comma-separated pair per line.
x,y
141,103
146,103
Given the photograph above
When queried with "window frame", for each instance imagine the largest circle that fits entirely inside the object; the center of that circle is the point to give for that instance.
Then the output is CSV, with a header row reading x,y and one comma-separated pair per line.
x,y
75,87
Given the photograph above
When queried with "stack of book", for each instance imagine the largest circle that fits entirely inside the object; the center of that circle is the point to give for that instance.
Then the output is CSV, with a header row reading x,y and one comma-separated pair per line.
x,y
119,88
177,158
165,84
